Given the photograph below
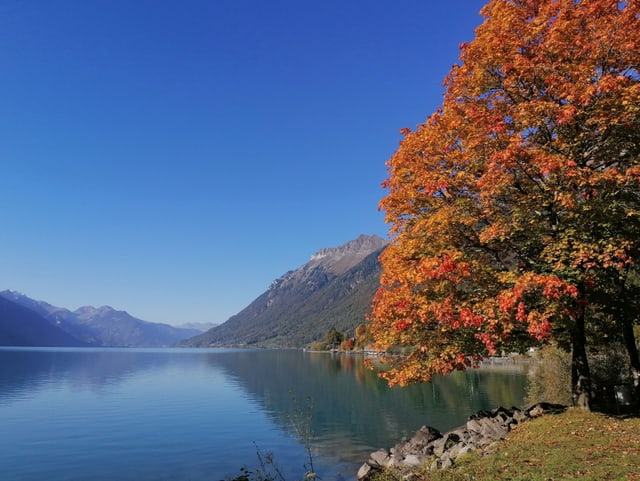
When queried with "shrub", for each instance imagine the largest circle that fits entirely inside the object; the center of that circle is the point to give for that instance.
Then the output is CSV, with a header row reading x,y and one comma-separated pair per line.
x,y
318,346
550,378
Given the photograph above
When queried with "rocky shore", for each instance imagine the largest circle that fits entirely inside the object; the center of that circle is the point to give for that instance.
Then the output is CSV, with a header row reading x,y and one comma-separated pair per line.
x,y
435,450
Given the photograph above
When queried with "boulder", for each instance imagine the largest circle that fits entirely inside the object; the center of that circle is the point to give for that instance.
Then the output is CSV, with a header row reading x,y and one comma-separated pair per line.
x,y
419,443
439,446
364,471
380,458
415,460
490,428
544,408
430,447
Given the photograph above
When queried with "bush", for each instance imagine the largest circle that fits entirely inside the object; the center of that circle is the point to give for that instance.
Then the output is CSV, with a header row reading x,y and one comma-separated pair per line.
x,y
347,344
610,367
318,346
550,378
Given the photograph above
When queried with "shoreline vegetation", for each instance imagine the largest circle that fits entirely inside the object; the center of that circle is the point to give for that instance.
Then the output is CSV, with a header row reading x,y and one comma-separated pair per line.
x,y
566,444
572,445
551,445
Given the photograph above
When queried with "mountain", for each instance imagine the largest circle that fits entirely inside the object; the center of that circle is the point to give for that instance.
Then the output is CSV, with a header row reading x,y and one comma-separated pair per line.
x,y
333,289
103,326
198,326
20,326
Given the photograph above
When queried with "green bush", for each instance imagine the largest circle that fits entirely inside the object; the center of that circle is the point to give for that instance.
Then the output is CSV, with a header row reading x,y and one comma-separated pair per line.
x,y
550,377
318,346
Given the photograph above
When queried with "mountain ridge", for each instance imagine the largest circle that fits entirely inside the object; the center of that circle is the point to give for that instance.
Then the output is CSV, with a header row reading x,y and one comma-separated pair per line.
x,y
21,326
333,289
103,326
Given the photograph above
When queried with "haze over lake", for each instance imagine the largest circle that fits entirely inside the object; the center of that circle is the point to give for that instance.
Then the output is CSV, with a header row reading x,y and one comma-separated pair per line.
x,y
181,414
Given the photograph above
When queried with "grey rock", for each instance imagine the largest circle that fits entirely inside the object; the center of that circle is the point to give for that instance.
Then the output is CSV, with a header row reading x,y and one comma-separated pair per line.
x,y
519,416
437,447
414,460
490,428
464,450
545,408
419,443
463,434
446,463
474,426
364,471
483,431
445,443
380,458
452,453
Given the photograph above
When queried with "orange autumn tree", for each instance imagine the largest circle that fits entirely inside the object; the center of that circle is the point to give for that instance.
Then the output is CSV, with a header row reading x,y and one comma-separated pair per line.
x,y
515,208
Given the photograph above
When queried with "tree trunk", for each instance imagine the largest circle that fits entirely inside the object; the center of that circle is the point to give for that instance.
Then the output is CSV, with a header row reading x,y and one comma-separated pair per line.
x,y
627,315
580,374
634,359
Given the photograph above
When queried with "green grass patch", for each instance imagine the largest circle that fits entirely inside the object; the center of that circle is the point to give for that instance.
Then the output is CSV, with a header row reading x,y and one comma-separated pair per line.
x,y
571,446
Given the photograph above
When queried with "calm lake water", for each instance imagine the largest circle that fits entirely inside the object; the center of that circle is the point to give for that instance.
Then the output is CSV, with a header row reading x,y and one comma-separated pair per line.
x,y
195,415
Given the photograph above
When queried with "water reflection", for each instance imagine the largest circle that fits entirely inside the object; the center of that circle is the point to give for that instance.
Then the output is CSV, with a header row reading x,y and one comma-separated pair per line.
x,y
353,411
25,370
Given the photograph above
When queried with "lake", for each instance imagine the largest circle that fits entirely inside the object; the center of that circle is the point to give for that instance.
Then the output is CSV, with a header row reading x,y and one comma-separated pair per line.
x,y
201,414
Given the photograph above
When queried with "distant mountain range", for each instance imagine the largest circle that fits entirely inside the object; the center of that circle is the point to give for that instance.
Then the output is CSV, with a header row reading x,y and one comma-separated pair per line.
x,y
20,326
198,326
334,289
27,322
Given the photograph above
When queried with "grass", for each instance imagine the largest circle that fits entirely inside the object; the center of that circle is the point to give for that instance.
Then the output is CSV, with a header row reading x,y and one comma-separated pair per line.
x,y
575,445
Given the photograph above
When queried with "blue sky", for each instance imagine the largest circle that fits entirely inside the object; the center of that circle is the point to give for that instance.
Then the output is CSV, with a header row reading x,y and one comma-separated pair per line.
x,y
171,158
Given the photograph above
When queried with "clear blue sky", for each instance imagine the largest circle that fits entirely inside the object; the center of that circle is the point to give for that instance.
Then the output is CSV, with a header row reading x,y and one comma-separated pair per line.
x,y
172,157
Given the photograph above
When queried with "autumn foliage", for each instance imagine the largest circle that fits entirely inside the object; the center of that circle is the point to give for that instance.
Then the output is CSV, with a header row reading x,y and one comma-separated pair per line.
x,y
514,210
